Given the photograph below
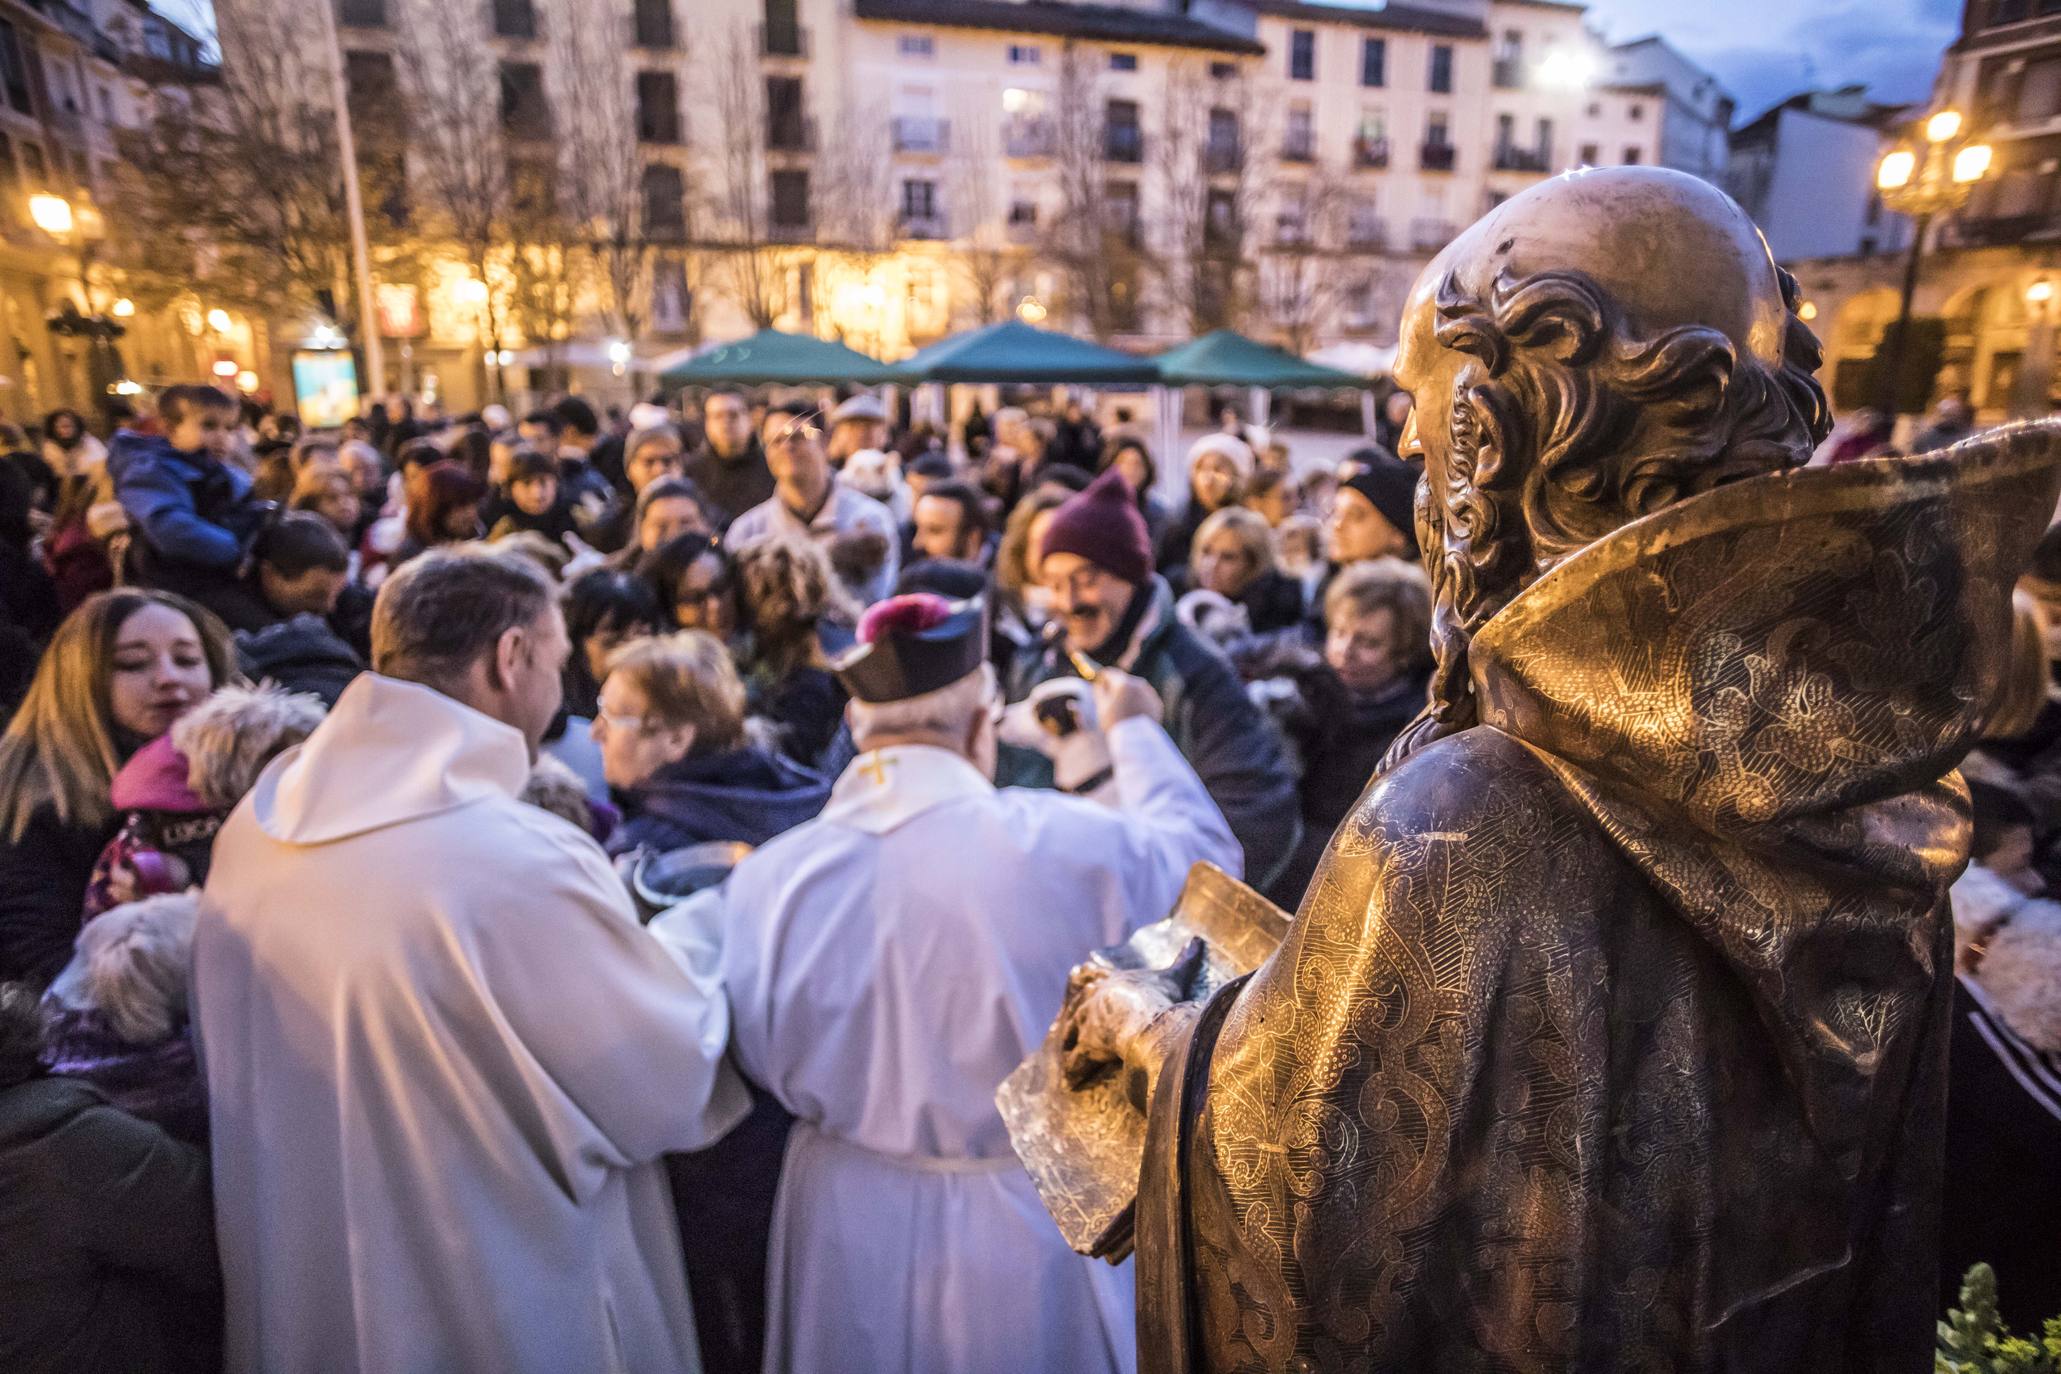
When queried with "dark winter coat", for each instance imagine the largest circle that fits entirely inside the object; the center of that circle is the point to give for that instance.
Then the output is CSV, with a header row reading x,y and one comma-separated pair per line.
x,y
1339,758
1232,747
109,1235
303,654
554,524
1177,540
732,485
1272,602
742,794
195,520
43,877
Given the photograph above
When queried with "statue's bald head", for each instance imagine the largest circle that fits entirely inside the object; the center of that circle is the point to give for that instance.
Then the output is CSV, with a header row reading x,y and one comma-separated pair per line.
x,y
1592,350
1666,248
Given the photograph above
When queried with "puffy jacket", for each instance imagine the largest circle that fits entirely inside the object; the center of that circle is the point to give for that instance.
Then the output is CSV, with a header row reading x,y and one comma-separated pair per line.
x,y
743,794
187,507
1230,744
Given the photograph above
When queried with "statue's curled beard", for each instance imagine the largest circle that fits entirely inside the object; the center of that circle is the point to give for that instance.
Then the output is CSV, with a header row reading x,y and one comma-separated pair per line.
x,y
1471,579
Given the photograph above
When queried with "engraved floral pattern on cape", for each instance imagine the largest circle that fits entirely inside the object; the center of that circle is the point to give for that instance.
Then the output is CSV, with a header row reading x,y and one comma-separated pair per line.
x,y
1609,1036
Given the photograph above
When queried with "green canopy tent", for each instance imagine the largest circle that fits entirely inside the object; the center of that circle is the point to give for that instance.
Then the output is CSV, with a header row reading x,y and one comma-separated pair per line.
x,y
1015,352
1224,357
771,357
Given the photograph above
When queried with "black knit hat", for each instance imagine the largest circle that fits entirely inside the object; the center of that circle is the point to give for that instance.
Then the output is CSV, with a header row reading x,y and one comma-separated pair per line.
x,y
1390,486
910,645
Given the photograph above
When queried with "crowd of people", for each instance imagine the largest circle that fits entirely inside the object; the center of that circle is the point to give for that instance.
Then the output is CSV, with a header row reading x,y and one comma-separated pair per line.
x,y
336,762
336,765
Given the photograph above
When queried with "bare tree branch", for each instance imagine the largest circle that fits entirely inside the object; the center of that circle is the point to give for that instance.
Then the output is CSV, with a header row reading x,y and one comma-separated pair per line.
x,y
455,97
236,188
754,267
986,256
600,158
1303,281
1213,164
1095,246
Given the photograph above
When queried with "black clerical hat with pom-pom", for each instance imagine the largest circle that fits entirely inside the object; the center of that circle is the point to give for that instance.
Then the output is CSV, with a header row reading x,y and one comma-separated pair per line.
x,y
910,645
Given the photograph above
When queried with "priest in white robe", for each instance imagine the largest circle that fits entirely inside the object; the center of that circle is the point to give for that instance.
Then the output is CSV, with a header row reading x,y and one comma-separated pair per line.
x,y
889,963
442,1058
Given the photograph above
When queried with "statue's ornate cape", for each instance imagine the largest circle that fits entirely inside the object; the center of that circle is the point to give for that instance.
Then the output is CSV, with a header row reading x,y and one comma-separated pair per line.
x,y
1611,1033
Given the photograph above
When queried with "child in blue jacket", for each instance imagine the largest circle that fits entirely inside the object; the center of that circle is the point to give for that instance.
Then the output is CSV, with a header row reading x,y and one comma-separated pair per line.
x,y
193,513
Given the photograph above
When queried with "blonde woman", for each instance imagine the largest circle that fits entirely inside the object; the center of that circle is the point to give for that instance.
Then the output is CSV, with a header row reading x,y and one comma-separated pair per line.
x,y
1233,556
118,672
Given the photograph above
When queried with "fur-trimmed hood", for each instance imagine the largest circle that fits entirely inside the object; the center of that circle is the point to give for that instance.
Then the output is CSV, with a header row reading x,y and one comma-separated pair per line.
x,y
228,739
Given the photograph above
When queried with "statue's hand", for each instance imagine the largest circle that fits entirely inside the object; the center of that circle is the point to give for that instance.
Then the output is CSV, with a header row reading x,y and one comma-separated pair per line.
x,y
1109,1015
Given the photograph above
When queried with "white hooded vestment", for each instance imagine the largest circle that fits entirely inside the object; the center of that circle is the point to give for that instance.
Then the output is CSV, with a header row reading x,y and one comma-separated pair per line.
x,y
442,1063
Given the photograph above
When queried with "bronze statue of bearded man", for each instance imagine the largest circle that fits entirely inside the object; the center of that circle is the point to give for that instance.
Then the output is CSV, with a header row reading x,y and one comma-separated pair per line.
x,y
1610,1034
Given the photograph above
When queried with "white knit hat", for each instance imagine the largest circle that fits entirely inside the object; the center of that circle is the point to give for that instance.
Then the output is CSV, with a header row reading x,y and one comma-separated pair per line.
x,y
1228,445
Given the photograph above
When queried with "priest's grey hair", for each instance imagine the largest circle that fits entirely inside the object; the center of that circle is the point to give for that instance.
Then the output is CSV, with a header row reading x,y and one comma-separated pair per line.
x,y
949,711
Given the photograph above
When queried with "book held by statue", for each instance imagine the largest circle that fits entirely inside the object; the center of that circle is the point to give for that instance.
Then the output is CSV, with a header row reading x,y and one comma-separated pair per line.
x,y
1083,1149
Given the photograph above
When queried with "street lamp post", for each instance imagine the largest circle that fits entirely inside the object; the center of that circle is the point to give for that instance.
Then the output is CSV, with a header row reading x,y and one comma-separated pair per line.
x,y
81,227
1932,176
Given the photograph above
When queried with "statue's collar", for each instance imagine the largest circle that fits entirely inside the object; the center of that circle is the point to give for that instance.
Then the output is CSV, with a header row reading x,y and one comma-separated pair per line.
x,y
1782,645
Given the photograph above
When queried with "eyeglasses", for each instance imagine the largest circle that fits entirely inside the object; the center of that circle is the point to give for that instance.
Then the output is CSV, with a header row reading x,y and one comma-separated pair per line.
x,y
800,427
613,722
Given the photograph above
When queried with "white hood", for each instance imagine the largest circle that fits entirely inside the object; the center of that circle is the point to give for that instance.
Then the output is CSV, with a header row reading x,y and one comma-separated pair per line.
x,y
389,751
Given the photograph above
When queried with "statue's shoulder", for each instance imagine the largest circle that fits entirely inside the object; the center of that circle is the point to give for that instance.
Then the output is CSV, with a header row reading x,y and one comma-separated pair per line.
x,y
1471,787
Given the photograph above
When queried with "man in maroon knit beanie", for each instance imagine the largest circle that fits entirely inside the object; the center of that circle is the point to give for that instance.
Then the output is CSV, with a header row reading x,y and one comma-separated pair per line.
x,y
1096,562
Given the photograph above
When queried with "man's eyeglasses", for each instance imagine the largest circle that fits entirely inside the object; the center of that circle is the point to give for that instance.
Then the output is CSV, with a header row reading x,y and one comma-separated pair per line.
x,y
798,427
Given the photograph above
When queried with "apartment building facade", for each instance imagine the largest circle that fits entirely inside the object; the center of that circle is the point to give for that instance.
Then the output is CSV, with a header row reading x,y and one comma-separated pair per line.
x,y
72,77
1992,271
887,171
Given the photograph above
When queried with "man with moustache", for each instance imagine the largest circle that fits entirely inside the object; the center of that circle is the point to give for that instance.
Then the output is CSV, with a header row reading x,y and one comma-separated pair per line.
x,y
1611,1032
1096,561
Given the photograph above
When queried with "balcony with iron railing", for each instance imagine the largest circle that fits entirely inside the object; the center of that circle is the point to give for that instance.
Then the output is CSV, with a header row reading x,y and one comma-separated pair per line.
x,y
1509,158
790,230
790,134
1025,136
1436,157
922,134
1220,157
1370,152
783,40
1123,143
930,226
1430,235
1299,147
1508,73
